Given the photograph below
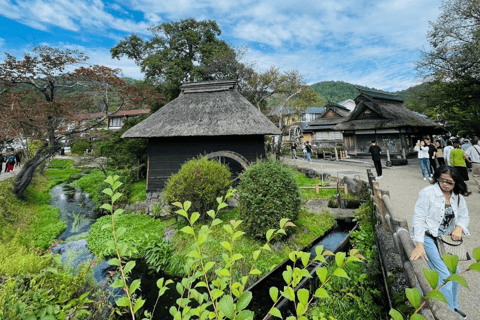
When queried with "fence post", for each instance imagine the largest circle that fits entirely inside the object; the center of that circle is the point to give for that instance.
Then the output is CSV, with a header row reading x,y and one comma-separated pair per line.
x,y
317,188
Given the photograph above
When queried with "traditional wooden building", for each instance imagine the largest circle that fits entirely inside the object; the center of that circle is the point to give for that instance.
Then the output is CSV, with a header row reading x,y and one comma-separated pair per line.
x,y
210,118
322,128
383,117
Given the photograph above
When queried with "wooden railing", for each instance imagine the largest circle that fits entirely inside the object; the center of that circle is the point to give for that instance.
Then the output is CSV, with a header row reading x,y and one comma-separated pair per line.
x,y
388,216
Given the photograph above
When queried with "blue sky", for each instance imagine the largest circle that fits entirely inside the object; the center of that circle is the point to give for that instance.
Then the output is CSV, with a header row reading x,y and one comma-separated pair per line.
x,y
372,43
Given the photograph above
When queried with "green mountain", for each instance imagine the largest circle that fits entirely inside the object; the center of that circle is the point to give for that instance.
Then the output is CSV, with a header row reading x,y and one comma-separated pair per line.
x,y
336,91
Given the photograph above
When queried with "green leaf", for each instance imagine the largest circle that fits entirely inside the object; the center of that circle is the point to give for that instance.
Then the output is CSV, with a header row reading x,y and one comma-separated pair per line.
x,y
216,294
301,308
303,296
115,197
194,217
340,273
288,293
321,293
283,222
117,212
395,314
221,206
107,207
120,232
275,312
432,277
322,274
417,316
216,222
228,228
255,271
226,245
123,302
188,230
237,235
287,276
414,296
128,267
274,294
245,315
134,286
114,262
318,250
109,180
211,213
256,254
458,279
226,306
182,212
244,300
475,267
208,266
476,254
108,191
138,304
305,259
436,295
178,204
451,262
187,205
106,225
270,234
339,258
237,256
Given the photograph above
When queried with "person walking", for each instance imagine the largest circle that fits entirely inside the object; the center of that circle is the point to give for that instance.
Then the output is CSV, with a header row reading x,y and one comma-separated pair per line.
x,y
432,154
308,147
423,158
446,152
440,156
18,157
294,150
2,160
11,162
458,159
375,151
304,150
440,210
466,144
473,154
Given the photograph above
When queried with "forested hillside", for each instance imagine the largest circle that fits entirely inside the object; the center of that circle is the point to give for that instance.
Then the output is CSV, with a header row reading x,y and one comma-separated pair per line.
x,y
336,91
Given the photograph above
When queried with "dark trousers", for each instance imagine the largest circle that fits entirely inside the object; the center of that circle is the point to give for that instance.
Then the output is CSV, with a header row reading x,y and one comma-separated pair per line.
x,y
441,161
378,167
433,165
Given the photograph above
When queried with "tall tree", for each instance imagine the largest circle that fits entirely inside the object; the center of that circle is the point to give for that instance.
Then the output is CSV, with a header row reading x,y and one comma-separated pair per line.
x,y
453,65
38,101
176,53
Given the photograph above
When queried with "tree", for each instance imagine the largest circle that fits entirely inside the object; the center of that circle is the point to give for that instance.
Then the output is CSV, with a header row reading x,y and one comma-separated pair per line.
x,y
452,65
176,53
38,100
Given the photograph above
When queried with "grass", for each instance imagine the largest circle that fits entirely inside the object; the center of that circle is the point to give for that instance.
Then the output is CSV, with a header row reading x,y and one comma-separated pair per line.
x,y
316,224
137,192
59,171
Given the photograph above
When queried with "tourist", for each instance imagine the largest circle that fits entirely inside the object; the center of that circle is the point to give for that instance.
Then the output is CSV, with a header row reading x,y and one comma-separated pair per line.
x,y
432,153
18,158
473,154
477,141
11,162
309,151
294,150
441,209
458,159
466,144
2,160
439,156
446,152
375,151
304,150
423,158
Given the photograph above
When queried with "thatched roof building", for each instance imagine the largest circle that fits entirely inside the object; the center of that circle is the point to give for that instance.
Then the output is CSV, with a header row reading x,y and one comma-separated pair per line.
x,y
213,108
383,117
206,118
323,132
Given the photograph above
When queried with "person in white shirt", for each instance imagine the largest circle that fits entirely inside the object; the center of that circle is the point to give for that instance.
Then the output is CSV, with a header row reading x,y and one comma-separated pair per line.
x,y
447,150
423,158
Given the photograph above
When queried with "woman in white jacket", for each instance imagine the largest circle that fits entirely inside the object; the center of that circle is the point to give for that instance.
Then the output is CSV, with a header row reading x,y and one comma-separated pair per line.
x,y
423,158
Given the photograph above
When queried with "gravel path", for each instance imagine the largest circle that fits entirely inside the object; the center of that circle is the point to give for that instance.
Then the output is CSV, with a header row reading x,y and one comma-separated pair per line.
x,y
404,183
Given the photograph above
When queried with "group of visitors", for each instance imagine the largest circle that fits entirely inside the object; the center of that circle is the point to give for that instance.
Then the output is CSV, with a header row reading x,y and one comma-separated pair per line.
x,y
306,150
10,160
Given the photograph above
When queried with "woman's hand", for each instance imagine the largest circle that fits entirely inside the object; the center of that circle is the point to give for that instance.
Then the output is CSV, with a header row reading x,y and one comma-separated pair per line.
x,y
418,252
457,233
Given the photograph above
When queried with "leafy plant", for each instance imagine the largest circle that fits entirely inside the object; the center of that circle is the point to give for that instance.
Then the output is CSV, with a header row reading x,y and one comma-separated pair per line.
x,y
200,181
414,295
267,192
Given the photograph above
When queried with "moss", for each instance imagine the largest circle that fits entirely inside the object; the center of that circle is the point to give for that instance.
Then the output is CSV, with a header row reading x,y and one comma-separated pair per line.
x,y
137,192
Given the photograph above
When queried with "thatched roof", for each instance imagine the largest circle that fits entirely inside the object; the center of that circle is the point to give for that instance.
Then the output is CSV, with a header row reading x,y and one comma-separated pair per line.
x,y
340,111
375,110
213,108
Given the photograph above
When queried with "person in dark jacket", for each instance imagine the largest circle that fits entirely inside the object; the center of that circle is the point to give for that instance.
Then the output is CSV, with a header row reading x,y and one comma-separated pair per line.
x,y
432,154
375,151
2,160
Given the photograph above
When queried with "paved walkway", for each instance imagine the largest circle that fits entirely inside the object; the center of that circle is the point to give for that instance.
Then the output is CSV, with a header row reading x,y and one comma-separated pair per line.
x,y
404,183
8,175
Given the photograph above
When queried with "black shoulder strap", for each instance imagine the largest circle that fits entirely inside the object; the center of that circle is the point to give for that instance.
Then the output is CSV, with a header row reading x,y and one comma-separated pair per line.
x,y
476,150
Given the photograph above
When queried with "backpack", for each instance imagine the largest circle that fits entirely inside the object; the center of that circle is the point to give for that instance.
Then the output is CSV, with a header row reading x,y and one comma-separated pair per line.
x,y
11,159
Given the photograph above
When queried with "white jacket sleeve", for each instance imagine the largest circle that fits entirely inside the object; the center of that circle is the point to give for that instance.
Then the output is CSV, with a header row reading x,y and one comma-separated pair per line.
x,y
419,222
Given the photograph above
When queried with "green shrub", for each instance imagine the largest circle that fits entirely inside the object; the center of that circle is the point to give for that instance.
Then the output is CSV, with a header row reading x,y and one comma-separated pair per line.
x,y
138,229
200,181
80,146
268,192
137,192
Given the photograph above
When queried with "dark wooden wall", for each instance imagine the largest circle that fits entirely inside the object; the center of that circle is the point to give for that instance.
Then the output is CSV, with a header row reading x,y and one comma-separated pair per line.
x,y
166,155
